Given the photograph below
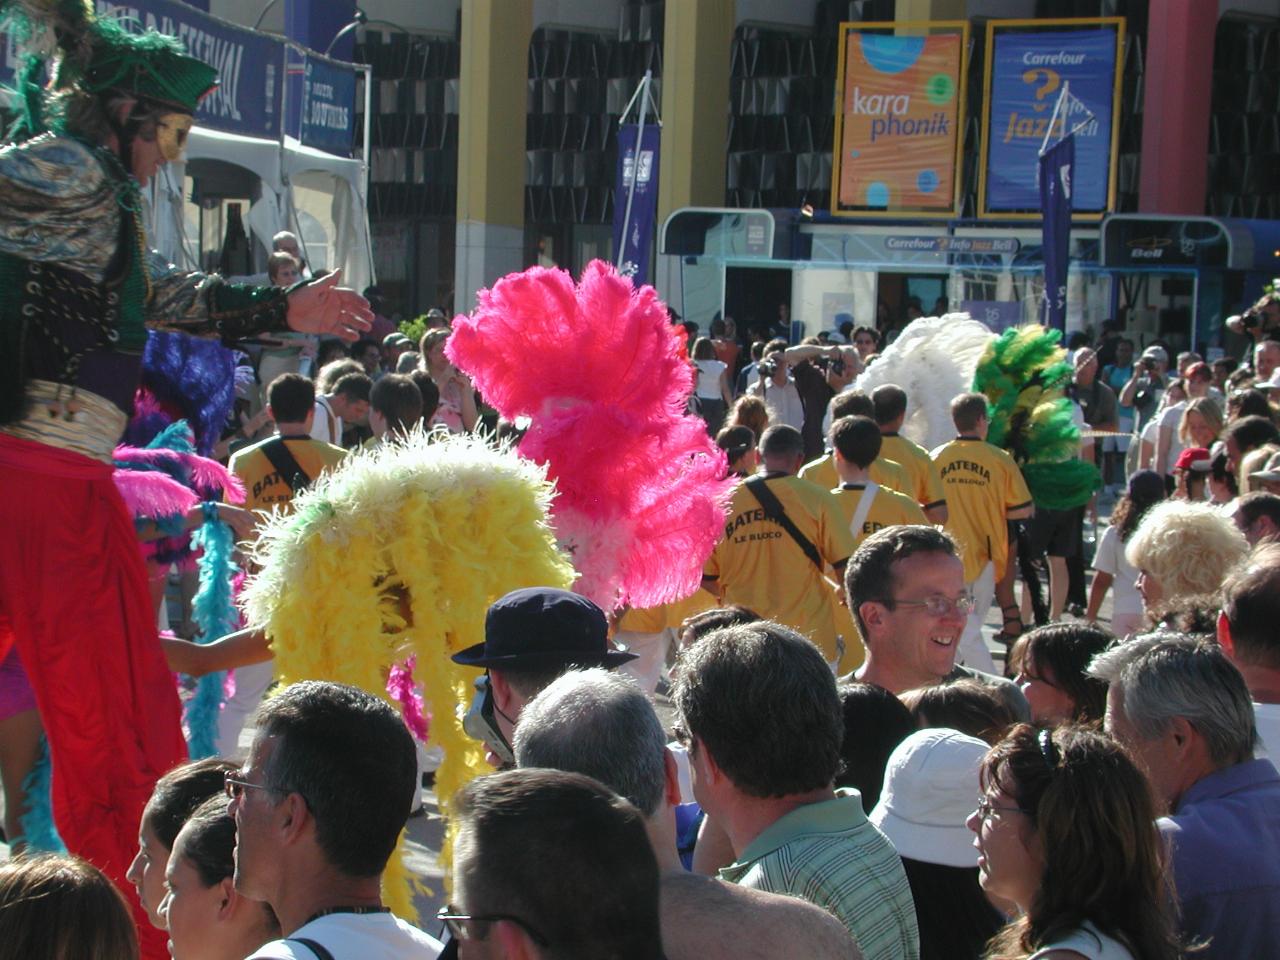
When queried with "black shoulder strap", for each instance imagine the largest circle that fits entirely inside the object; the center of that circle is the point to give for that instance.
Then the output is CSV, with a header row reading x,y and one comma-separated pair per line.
x,y
774,511
319,949
277,451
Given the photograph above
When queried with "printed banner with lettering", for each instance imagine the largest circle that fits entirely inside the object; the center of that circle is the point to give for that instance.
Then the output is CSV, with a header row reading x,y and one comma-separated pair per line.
x,y
1025,79
900,123
247,99
633,238
328,115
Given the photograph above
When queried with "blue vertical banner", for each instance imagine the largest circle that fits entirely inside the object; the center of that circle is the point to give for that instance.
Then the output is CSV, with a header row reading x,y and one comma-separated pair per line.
x,y
1026,75
633,236
1056,172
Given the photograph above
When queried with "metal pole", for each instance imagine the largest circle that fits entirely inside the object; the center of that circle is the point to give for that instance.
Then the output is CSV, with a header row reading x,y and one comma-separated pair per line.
x,y
643,93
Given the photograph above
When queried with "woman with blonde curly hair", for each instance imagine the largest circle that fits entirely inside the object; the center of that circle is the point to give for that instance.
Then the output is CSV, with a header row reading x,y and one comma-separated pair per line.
x,y
1182,550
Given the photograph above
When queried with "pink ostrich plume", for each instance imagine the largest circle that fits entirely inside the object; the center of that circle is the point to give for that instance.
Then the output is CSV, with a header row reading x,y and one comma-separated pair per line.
x,y
641,491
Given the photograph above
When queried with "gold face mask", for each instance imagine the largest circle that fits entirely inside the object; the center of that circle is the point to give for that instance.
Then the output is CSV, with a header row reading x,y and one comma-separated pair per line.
x,y
171,134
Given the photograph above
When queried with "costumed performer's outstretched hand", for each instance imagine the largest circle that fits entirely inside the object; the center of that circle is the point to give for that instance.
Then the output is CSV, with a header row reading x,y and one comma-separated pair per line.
x,y
322,307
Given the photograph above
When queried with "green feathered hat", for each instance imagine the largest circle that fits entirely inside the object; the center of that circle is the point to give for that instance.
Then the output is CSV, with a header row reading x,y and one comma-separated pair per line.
x,y
150,66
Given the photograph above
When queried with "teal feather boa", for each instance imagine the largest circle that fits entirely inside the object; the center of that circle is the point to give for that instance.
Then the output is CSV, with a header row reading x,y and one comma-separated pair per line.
x,y
214,612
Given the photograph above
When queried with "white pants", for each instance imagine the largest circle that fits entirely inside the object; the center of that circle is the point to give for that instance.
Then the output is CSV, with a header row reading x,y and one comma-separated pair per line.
x,y
251,683
651,656
973,651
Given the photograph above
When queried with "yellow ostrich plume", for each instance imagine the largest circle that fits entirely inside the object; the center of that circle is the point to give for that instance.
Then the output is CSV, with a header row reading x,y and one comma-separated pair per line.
x,y
400,551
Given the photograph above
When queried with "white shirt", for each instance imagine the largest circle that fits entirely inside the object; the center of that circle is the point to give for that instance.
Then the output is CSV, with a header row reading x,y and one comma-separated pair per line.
x,y
1109,558
783,402
1170,418
1266,717
364,936
709,373
320,424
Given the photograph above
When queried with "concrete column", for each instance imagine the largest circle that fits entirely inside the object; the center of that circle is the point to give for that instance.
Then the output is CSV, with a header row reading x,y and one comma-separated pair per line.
x,y
695,108
908,10
1177,90
491,144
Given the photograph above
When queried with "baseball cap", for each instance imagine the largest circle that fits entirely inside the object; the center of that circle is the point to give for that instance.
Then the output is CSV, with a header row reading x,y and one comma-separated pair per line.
x,y
930,788
1193,458
1155,353
539,627
393,339
1270,470
1199,371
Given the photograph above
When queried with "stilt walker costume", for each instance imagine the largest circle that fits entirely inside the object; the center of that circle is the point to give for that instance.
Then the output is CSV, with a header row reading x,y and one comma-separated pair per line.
x,y
79,288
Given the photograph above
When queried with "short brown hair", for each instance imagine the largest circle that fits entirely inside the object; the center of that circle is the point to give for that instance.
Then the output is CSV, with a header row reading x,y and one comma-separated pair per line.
x,y
851,403
62,908
398,400
857,440
1251,603
968,410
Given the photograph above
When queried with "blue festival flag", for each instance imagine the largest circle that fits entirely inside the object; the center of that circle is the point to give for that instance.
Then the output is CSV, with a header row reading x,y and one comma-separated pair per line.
x,y
1056,164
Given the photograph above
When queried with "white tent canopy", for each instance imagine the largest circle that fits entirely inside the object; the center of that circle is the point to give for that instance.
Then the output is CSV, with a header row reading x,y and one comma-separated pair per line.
x,y
319,196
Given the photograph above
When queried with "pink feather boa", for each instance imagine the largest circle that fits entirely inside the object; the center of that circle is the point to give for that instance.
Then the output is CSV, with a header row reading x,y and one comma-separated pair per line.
x,y
603,376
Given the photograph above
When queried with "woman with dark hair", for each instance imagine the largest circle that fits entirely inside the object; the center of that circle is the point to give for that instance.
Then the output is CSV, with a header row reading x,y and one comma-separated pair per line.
x,y
205,916
62,908
1065,829
1052,673
175,796
711,384
967,705
1145,490
739,446
1250,402
1223,487
875,722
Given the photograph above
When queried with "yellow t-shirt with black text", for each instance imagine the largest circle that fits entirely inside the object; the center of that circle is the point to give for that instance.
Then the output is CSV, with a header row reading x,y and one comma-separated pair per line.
x,y
982,485
264,487
888,509
760,566
926,486
887,473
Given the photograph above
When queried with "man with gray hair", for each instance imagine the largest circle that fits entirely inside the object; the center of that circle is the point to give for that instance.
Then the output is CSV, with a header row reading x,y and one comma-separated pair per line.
x,y
602,725
1183,711
759,714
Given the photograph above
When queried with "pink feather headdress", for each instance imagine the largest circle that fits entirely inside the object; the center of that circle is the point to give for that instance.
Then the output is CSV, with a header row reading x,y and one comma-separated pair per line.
x,y
603,377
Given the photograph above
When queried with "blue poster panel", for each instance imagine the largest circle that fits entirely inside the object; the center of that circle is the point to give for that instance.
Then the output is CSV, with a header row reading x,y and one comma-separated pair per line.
x,y
1027,72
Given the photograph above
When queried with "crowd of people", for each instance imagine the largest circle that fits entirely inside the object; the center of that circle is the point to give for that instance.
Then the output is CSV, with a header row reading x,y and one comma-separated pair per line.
x,y
839,768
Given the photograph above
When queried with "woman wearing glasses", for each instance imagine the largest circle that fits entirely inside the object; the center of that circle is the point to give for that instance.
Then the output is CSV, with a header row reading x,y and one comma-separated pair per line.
x,y
1066,831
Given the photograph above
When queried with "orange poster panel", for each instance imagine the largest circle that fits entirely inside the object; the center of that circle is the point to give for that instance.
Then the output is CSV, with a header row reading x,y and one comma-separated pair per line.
x,y
901,120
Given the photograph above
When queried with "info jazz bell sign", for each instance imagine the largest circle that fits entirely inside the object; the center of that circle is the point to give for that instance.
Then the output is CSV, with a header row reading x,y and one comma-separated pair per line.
x,y
898,130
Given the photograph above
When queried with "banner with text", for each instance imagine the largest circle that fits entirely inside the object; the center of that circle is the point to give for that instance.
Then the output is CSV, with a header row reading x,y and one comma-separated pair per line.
x,y
1025,76
898,129
327,118
249,64
633,226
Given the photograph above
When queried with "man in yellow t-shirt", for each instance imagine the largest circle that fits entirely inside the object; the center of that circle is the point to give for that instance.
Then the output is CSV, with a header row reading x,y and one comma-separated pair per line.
x,y
889,403
761,566
985,490
273,470
263,469
885,472
867,506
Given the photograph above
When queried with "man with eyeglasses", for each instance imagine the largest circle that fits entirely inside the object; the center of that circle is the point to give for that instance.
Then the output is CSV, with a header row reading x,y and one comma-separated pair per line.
x,y
318,810
551,864
907,593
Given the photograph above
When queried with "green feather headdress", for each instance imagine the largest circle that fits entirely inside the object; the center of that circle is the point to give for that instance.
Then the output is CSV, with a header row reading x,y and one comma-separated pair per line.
x,y
1023,374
